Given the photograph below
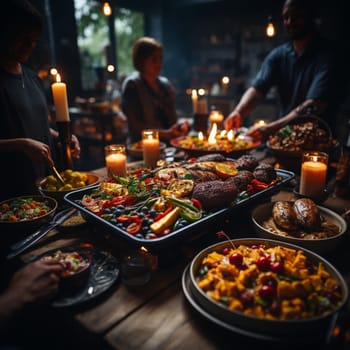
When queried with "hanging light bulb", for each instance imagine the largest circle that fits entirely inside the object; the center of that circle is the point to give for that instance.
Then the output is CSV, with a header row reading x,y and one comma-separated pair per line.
x,y
270,28
107,10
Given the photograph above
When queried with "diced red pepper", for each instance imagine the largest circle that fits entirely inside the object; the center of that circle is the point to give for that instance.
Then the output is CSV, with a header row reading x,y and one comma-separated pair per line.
x,y
196,203
163,213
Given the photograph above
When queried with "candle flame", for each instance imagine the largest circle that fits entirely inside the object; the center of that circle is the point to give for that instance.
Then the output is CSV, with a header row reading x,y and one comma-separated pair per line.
x,y
314,158
223,133
194,93
212,135
200,136
58,78
230,135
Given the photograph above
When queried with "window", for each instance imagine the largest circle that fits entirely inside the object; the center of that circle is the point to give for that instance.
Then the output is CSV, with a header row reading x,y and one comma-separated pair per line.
x,y
94,43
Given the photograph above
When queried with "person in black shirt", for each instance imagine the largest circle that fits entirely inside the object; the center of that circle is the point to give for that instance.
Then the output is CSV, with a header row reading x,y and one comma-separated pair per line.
x,y
26,140
148,99
302,70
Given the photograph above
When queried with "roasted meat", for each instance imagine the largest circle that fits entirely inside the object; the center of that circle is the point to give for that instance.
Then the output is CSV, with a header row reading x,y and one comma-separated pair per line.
x,y
265,172
307,213
247,162
284,215
216,157
242,179
215,194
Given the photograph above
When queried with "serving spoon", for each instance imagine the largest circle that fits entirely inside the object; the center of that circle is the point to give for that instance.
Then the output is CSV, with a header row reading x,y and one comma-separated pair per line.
x,y
55,171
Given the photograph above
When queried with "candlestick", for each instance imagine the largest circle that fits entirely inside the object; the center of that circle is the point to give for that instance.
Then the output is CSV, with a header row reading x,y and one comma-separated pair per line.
x,y
115,158
64,132
59,92
313,174
151,148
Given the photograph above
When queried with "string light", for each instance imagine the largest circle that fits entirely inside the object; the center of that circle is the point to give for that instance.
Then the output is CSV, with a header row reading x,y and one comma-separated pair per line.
x,y
107,10
270,28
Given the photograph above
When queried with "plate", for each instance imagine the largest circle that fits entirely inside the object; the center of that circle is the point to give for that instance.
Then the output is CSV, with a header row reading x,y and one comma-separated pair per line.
x,y
312,327
92,179
186,283
194,152
321,246
158,244
104,272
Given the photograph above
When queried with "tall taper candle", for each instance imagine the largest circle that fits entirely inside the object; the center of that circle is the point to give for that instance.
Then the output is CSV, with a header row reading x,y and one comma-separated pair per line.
x,y
59,92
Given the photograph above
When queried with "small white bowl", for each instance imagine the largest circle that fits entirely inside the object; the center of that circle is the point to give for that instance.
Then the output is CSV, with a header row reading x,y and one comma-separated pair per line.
x,y
321,245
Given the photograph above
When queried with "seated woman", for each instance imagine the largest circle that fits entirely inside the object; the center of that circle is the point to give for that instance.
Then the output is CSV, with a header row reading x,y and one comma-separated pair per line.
x,y
148,99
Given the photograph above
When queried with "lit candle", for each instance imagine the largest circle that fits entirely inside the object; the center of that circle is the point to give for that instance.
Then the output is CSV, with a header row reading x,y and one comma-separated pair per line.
x,y
59,92
151,148
115,160
313,174
194,100
212,135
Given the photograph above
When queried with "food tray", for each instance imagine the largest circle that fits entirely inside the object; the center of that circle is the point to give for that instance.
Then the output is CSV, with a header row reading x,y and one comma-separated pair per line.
x,y
159,243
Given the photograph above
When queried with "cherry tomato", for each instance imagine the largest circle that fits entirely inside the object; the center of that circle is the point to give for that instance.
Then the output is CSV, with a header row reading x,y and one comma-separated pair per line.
x,y
264,263
267,292
236,259
87,201
134,228
277,267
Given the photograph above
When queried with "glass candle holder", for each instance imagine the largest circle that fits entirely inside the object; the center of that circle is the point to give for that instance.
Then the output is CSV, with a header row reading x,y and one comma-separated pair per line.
x,y
115,157
135,269
313,174
151,148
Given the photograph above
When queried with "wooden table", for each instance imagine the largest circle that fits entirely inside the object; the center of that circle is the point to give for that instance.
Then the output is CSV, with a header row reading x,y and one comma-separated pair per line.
x,y
157,315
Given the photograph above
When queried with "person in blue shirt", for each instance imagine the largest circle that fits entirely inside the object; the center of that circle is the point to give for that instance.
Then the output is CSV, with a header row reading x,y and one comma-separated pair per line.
x,y
148,99
302,71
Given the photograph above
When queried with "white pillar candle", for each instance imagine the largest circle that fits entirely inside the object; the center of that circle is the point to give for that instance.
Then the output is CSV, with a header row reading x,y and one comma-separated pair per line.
x,y
59,92
194,101
151,148
115,160
313,174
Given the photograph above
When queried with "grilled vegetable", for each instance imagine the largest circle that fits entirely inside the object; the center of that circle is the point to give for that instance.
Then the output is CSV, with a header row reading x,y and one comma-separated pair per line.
x,y
166,221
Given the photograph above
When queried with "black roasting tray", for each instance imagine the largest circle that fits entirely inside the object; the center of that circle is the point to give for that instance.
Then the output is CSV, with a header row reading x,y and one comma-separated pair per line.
x,y
156,244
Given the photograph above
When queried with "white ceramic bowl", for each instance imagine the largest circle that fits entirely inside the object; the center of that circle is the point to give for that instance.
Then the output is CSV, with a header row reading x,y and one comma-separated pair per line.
x,y
284,328
320,246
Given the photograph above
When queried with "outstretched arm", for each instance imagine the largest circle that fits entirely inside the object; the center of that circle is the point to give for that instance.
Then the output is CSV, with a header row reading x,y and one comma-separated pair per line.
x,y
250,99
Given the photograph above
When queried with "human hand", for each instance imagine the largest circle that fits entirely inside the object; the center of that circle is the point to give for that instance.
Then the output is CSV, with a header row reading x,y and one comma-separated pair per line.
x,y
233,121
260,133
36,150
36,282
180,129
75,147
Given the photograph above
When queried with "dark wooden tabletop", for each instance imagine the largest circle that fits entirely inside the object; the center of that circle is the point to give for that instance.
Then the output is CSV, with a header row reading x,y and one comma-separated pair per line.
x,y
157,315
